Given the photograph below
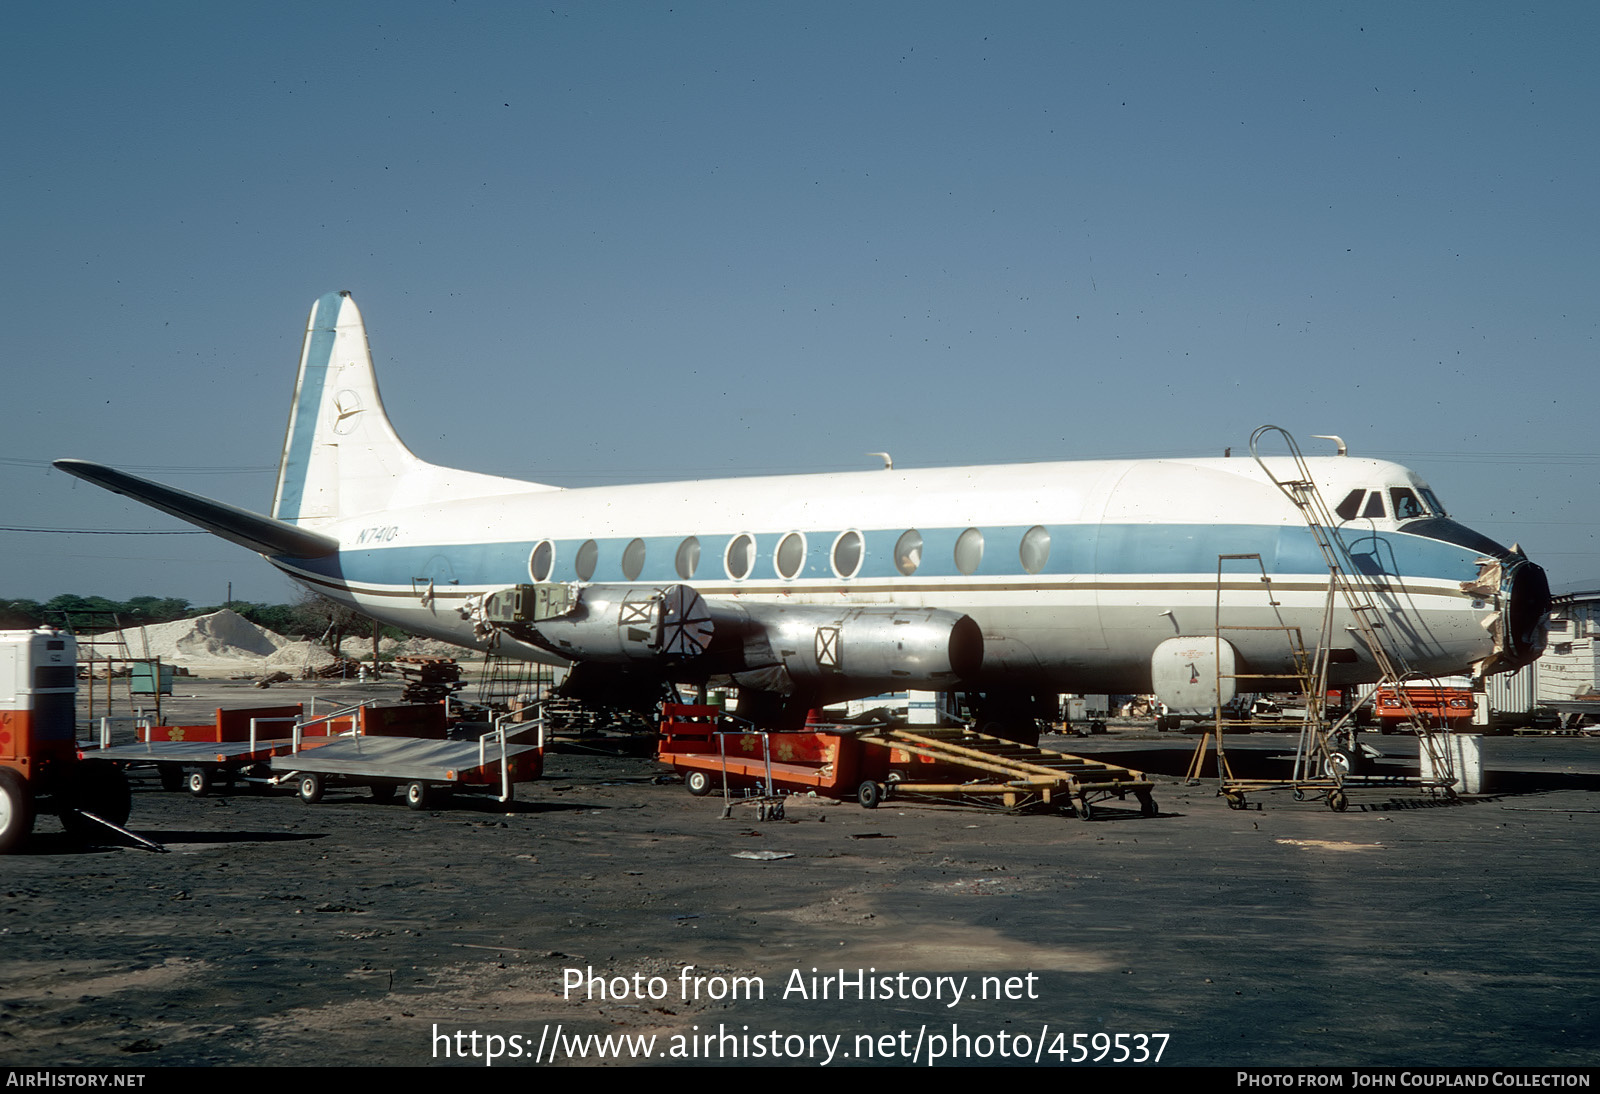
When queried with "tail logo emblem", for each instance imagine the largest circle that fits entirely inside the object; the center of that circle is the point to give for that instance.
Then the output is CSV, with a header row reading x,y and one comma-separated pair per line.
x,y
346,406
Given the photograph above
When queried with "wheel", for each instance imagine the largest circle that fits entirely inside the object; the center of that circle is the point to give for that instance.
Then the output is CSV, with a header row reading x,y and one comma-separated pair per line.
x,y
1299,794
698,782
98,788
418,795
1337,801
1235,801
382,792
171,778
1097,726
310,787
200,782
16,810
1147,805
869,794
1341,763
1082,807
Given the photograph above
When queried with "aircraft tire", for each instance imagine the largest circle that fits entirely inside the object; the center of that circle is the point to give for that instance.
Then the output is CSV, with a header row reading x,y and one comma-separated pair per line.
x,y
698,783
1343,762
869,794
310,787
16,810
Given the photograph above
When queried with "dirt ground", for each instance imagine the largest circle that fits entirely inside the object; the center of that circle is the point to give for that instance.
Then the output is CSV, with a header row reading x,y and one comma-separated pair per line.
x,y
1405,931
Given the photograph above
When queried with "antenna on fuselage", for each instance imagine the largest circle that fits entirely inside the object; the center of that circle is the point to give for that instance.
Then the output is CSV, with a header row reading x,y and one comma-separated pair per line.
x,y
1343,451
888,460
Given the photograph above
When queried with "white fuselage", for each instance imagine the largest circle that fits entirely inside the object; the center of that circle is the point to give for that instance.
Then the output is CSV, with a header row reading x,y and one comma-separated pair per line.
x,y
1074,571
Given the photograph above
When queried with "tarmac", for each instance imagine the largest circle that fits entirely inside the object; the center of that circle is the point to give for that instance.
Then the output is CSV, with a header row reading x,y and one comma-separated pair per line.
x,y
1408,931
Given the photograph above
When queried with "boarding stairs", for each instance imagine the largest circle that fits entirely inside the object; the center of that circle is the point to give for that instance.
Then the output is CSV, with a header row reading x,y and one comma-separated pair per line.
x,y
1019,775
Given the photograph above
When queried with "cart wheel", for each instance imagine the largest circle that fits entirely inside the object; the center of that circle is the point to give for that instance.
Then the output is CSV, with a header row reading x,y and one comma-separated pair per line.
x,y
869,794
200,782
16,810
171,778
776,812
382,792
1082,807
311,788
1147,805
698,782
418,795
1337,801
1299,794
1235,801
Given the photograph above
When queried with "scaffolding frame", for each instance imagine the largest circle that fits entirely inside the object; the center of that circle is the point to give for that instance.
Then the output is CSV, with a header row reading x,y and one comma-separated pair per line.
x,y
1327,755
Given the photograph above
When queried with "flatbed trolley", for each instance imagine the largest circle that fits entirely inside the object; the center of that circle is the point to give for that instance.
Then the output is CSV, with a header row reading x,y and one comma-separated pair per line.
x,y
428,767
231,748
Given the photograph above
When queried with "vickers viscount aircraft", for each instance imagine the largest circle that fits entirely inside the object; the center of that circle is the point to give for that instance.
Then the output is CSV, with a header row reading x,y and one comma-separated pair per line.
x,y
1009,583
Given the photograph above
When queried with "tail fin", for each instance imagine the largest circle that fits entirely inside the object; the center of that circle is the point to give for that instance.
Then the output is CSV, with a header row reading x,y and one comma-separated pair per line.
x,y
341,457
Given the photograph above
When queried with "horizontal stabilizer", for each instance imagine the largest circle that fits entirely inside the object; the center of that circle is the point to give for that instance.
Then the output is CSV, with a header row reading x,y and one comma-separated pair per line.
x,y
247,529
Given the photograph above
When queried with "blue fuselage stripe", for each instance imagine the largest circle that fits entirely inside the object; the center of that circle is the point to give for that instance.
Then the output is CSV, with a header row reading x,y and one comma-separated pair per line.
x,y
1075,551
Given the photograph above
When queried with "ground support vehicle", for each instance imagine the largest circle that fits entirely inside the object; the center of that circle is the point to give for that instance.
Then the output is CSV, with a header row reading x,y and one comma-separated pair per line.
x,y
1436,707
39,759
385,757
870,764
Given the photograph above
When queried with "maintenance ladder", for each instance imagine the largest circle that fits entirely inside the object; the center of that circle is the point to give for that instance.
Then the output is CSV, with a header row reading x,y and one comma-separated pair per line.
x,y
1319,755
1018,774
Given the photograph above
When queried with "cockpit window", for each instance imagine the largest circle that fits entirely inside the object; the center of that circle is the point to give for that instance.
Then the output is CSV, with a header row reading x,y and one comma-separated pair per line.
x,y
1350,506
1406,505
1374,505
1433,502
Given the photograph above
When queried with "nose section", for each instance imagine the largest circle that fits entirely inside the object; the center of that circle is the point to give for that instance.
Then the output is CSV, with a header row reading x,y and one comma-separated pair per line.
x,y
1525,606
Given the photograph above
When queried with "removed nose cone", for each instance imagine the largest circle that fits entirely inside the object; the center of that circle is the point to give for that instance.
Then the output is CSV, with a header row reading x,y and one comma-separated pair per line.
x,y
1522,592
1525,600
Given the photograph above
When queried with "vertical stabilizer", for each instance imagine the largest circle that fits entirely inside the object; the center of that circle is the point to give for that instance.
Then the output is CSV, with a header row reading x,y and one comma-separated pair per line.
x,y
341,457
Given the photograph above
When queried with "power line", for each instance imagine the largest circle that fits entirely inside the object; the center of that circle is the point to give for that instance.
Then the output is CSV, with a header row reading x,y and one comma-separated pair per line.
x,y
103,531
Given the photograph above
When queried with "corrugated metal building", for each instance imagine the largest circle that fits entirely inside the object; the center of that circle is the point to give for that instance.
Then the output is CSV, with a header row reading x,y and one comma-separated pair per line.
x,y
1570,667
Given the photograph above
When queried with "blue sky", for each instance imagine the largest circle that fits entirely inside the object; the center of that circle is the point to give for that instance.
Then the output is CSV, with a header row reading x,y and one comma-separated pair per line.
x,y
615,242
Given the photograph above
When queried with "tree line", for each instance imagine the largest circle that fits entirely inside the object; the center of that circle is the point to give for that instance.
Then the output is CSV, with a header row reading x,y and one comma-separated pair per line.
x,y
311,617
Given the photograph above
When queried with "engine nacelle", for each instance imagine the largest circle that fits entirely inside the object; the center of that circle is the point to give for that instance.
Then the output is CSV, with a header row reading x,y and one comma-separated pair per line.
x,y
872,648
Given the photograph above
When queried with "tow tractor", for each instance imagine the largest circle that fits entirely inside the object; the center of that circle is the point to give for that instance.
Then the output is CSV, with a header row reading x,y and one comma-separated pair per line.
x,y
39,758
